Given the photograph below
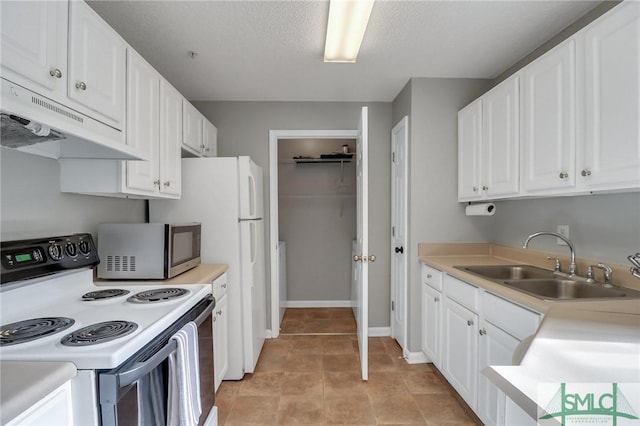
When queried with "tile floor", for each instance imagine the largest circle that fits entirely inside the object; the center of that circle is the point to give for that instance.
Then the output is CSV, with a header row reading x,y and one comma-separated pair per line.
x,y
318,321
315,380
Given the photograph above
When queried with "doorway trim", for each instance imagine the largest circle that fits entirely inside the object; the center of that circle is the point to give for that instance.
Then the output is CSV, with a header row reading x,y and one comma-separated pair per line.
x,y
274,137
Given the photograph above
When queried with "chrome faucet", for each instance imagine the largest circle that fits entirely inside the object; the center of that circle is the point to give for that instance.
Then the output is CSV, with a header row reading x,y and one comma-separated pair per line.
x,y
572,264
606,270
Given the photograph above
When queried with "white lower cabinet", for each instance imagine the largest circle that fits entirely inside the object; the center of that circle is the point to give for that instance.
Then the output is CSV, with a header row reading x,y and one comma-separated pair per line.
x,y
465,329
431,317
54,409
460,350
220,330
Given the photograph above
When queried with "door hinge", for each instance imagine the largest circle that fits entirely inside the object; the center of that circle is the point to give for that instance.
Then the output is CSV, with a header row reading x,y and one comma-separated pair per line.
x,y
393,156
393,305
393,231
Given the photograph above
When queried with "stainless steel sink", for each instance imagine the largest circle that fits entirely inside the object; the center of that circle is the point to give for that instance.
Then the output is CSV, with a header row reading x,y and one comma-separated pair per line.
x,y
544,284
508,272
563,289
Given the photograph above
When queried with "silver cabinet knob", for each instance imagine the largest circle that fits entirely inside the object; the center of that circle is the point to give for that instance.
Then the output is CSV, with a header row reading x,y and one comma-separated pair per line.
x,y
206,150
485,188
167,184
219,312
55,72
564,175
372,258
482,332
81,85
156,183
215,318
436,299
475,189
469,323
429,276
586,172
357,258
224,285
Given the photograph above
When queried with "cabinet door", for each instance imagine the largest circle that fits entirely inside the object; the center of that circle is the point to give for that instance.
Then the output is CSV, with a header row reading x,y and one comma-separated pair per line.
x,y
611,155
431,323
54,409
34,43
192,128
220,340
496,348
170,139
548,137
460,349
501,139
470,151
209,139
97,56
143,123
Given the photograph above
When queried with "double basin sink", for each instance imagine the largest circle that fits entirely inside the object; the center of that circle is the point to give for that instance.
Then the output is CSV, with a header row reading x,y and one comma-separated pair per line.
x,y
544,284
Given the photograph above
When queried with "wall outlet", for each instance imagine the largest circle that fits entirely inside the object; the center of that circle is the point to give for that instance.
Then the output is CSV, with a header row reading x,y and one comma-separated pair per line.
x,y
564,231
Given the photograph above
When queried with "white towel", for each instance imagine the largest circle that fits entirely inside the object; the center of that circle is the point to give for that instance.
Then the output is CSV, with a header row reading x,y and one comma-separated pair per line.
x,y
184,406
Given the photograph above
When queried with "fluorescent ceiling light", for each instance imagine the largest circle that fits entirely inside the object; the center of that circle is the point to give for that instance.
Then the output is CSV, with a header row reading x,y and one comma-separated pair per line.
x,y
347,23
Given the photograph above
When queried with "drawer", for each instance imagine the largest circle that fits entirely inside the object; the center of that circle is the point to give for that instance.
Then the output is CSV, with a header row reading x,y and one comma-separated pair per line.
x,y
516,320
220,286
432,277
464,293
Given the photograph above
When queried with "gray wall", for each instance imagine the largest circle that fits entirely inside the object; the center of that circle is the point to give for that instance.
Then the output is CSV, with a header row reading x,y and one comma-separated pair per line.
x,y
317,220
243,129
435,215
33,206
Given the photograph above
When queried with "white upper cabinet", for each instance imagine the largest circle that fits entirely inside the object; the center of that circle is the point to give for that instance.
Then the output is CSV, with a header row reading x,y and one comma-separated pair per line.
x,y
34,50
192,129
470,151
143,123
97,58
209,139
170,139
500,137
549,120
488,135
609,159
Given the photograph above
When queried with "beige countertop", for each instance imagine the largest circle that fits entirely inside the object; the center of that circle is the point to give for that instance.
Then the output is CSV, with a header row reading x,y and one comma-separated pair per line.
x,y
596,341
201,274
25,383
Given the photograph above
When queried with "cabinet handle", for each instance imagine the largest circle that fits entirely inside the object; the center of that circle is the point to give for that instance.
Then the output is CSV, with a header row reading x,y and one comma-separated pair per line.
x,y
436,299
429,276
167,184
206,150
564,175
224,285
469,323
219,312
215,318
485,188
55,72
586,172
482,332
81,85
475,189
156,183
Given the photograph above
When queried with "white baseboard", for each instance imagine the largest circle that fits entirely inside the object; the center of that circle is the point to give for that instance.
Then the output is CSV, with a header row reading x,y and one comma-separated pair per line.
x,y
267,334
318,304
379,331
415,357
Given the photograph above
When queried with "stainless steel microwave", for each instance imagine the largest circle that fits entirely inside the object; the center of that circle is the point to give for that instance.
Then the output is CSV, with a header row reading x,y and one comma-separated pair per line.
x,y
147,250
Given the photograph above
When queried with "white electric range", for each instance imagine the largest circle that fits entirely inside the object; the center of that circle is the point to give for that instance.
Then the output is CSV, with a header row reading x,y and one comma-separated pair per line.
x,y
116,337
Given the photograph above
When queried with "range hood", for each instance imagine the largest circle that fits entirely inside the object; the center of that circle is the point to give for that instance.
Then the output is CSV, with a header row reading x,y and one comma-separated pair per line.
x,y
38,125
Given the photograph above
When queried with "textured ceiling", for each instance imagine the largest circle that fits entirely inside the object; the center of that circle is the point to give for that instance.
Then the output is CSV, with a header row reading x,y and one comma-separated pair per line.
x,y
273,50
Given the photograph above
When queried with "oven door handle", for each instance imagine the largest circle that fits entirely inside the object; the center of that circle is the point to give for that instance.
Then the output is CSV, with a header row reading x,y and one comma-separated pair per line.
x,y
140,369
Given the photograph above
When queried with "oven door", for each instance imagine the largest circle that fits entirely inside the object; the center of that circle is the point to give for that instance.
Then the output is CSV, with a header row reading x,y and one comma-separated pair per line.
x,y
136,393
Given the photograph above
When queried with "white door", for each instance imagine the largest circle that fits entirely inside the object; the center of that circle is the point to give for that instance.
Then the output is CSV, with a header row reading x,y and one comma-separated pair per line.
x,y
170,139
360,292
470,151
399,246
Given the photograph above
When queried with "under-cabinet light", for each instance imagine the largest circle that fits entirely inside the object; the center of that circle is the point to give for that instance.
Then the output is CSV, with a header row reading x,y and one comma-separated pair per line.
x,y
348,21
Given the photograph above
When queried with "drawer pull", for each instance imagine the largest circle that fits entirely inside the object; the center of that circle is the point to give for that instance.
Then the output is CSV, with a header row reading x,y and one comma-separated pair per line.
x,y
224,285
469,323
436,299
429,276
482,332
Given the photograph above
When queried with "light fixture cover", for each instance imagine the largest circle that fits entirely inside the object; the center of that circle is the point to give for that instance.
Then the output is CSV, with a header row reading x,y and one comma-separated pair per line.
x,y
348,21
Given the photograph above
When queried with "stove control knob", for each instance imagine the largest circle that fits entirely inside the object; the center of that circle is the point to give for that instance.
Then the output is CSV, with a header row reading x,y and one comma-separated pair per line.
x,y
71,249
55,251
84,247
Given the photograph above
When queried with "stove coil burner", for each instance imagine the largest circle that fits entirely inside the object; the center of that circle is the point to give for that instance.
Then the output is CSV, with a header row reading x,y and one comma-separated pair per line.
x,y
157,295
32,329
99,333
104,294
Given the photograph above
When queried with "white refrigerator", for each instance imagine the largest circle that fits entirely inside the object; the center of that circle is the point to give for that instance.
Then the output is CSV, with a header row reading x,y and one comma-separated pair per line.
x,y
224,194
